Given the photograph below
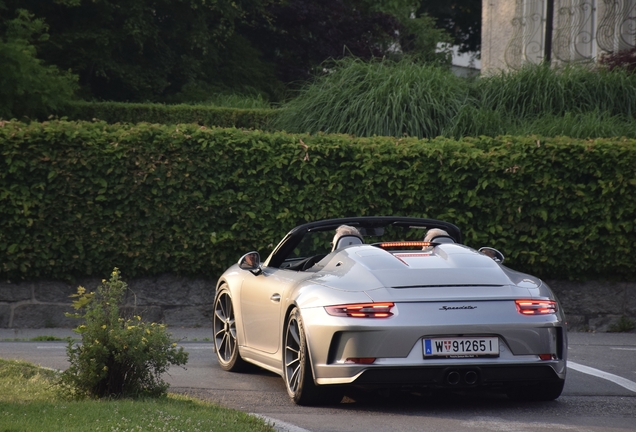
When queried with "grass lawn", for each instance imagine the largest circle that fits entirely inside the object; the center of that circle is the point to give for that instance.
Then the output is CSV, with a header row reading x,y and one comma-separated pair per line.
x,y
29,401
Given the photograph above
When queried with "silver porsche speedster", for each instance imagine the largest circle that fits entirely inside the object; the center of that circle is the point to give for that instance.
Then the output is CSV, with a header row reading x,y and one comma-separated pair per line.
x,y
389,303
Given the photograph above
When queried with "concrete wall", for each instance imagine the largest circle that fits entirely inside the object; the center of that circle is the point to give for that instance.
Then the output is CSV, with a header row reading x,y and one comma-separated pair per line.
x,y
496,32
183,302
581,31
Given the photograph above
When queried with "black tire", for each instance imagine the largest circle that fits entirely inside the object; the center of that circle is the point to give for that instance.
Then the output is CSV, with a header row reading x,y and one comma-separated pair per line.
x,y
224,325
543,392
297,371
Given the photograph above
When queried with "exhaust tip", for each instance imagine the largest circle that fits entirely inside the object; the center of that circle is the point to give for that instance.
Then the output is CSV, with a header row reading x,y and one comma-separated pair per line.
x,y
453,378
470,377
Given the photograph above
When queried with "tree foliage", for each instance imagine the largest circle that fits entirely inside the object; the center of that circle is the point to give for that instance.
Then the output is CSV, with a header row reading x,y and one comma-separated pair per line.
x,y
28,86
418,36
460,18
302,34
188,50
139,49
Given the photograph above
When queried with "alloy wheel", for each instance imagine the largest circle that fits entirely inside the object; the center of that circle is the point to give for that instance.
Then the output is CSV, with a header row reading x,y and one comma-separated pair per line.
x,y
224,329
293,358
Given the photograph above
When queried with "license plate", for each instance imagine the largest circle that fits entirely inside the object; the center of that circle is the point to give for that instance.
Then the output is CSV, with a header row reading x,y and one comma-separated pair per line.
x,y
461,347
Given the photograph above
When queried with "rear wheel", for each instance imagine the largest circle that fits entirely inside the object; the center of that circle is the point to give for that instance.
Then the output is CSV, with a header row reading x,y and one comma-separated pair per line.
x,y
297,372
542,392
225,342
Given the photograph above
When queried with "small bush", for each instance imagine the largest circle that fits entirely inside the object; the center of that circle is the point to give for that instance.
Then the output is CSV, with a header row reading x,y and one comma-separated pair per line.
x,y
625,59
118,356
623,324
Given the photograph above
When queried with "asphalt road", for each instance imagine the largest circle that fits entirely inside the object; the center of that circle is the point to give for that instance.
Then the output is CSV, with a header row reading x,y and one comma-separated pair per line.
x,y
599,395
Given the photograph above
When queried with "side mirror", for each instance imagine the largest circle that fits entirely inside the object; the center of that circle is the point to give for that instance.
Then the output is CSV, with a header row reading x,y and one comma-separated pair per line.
x,y
493,253
251,261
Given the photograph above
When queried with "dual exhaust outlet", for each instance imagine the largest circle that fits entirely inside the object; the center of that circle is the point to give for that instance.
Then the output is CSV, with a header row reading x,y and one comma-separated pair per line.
x,y
468,377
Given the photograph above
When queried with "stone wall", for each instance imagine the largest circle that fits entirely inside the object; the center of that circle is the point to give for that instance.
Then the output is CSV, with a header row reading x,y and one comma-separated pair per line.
x,y
175,301
596,305
183,302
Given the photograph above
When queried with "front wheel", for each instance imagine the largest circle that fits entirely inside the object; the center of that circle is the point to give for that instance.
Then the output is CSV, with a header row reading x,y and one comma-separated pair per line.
x,y
224,325
297,372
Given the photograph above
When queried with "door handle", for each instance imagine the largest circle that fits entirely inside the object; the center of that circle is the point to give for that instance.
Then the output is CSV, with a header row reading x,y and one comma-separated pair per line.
x,y
275,298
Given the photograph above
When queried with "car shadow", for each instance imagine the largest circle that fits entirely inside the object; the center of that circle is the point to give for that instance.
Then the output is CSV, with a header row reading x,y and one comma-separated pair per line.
x,y
439,401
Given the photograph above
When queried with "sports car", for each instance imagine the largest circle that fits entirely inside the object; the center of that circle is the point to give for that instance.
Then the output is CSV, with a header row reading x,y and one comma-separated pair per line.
x,y
393,303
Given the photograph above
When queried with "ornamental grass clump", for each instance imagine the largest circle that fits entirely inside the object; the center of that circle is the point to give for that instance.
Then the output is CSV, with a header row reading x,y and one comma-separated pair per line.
x,y
537,91
119,356
381,97
405,97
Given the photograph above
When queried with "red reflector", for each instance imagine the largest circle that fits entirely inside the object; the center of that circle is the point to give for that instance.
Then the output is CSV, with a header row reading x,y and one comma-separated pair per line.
x,y
363,310
360,360
536,307
547,356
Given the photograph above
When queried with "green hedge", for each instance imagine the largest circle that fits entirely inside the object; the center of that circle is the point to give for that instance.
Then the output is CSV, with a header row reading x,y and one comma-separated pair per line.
x,y
79,198
120,112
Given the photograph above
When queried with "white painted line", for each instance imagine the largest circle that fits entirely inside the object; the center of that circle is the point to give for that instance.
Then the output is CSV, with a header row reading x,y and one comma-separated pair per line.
x,y
500,424
623,349
280,426
51,346
623,382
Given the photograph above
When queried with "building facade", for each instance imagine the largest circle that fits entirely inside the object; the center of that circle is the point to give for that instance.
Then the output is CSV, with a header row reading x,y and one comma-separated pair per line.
x,y
516,32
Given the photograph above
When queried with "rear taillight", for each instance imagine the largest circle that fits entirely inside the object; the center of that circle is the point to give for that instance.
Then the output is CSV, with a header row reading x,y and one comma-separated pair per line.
x,y
362,310
536,307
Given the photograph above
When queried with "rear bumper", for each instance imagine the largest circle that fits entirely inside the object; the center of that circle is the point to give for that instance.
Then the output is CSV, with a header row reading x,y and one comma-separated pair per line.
x,y
396,346
457,376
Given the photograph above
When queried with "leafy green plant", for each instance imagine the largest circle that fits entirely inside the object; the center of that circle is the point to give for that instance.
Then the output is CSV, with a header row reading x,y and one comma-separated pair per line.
x,y
118,356
624,324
